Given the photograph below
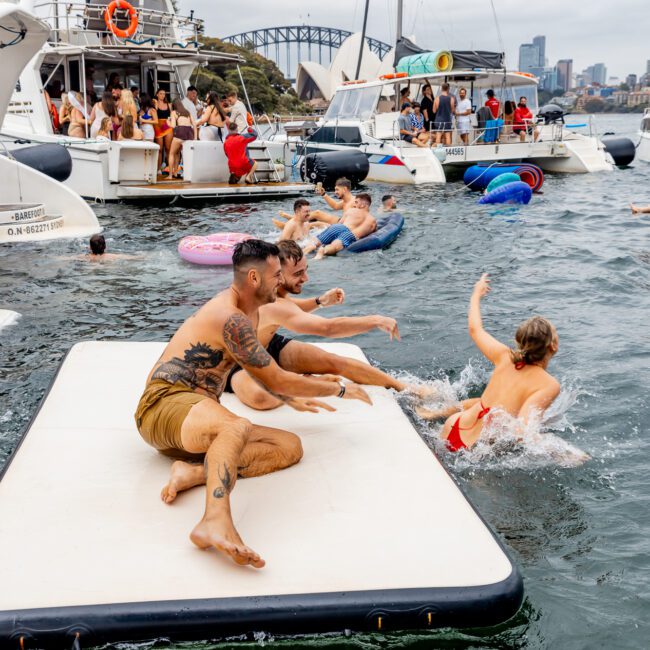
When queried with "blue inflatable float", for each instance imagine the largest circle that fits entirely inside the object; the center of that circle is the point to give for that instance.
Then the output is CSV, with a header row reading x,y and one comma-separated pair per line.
x,y
517,192
388,228
478,177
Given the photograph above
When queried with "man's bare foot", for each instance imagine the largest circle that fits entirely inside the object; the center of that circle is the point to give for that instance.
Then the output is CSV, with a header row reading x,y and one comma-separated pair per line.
x,y
320,254
183,477
221,535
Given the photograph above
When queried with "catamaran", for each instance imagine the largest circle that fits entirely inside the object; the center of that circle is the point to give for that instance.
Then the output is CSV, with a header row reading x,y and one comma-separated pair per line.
x,y
148,46
363,114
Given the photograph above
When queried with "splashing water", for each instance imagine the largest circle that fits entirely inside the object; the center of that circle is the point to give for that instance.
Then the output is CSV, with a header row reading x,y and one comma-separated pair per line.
x,y
505,442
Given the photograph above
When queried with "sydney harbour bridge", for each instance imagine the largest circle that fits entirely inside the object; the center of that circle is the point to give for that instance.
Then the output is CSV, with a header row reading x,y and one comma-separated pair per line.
x,y
288,46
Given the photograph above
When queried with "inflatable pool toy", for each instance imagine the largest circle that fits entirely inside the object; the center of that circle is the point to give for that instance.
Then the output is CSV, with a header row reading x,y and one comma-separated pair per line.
x,y
426,63
214,250
153,582
503,179
518,192
388,228
478,177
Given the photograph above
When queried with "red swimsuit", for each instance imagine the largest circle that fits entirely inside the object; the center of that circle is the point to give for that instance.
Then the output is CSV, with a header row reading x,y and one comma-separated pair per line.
x,y
454,441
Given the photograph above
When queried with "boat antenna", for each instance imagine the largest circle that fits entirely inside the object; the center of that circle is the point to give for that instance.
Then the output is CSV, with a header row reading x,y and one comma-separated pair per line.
x,y
496,23
363,39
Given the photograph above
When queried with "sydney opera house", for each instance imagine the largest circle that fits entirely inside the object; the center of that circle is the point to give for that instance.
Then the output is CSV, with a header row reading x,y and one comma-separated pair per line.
x,y
316,84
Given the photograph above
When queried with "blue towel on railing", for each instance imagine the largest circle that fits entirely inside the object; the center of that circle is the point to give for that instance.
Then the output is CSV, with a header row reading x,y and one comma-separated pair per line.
x,y
492,130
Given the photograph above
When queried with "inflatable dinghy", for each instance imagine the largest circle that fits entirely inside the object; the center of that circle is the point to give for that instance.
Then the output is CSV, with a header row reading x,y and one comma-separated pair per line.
x,y
367,532
388,229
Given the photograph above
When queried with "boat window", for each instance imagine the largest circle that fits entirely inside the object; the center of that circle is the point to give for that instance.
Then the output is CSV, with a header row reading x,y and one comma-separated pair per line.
x,y
350,104
337,135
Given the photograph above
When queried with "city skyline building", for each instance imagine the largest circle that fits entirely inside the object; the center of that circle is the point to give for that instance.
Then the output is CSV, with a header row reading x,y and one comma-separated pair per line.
x,y
528,57
564,69
540,43
599,73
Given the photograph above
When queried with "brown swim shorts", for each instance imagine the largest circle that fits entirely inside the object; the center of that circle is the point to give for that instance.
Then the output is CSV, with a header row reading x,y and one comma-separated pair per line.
x,y
161,412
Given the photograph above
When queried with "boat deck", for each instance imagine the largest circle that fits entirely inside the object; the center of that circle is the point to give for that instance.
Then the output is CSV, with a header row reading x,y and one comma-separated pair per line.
x,y
185,189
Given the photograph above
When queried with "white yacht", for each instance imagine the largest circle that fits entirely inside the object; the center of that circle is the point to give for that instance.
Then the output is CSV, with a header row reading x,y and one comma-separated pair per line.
x,y
364,115
643,148
33,206
148,46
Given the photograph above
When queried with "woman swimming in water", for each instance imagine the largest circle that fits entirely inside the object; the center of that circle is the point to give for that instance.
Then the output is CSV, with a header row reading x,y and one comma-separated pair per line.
x,y
519,385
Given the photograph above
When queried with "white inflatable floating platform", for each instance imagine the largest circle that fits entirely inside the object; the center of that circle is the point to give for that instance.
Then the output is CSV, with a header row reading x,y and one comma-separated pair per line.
x,y
367,532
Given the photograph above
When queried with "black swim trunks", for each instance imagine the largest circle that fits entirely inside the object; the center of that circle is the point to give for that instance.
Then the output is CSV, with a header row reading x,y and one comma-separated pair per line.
x,y
275,346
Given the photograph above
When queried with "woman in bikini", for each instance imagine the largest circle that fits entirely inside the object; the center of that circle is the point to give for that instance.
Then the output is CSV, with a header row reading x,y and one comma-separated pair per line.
x,y
163,132
184,129
148,117
214,120
519,385
78,116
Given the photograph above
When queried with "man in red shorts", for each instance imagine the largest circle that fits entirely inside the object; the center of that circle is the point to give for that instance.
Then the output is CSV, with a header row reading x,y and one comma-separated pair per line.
x,y
239,162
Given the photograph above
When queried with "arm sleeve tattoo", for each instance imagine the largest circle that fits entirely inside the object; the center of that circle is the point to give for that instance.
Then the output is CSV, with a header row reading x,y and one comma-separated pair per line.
x,y
241,340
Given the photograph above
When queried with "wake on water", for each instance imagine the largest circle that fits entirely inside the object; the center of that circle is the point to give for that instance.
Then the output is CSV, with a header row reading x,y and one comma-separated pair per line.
x,y
501,444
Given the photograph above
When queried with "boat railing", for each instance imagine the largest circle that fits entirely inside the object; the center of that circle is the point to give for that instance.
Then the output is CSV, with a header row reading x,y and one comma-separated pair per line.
x,y
81,23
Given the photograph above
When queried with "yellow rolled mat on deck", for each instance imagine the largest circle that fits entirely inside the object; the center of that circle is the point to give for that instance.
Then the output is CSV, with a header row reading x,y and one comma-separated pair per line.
x,y
426,63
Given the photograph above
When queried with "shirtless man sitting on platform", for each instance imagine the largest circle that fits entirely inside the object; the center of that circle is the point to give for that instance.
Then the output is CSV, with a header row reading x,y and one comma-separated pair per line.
x,y
296,315
179,413
357,222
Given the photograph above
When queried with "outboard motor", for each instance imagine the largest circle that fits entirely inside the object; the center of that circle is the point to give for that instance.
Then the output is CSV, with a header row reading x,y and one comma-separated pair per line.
x,y
622,150
551,114
329,166
53,160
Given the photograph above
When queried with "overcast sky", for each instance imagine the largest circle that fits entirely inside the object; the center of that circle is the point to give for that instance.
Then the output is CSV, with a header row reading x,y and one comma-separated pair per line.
x,y
614,32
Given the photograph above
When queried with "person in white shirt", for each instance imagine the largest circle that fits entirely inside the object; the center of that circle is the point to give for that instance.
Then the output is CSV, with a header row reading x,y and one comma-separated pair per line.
x,y
463,113
192,103
238,113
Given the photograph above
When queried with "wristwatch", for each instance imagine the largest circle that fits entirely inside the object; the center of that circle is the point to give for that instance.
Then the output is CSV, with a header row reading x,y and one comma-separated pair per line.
x,y
318,302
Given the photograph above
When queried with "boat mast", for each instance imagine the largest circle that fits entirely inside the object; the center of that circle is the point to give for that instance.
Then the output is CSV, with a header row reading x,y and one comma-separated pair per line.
x,y
400,11
363,40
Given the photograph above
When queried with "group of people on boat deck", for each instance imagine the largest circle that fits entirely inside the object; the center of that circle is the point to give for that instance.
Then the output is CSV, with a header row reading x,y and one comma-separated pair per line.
x,y
431,121
127,114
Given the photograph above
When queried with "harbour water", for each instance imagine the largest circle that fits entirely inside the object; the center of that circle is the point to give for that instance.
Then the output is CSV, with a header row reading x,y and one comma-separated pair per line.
x,y
576,255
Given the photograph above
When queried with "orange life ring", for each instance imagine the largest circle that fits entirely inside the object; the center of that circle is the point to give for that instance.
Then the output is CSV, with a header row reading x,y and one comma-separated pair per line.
x,y
387,76
133,17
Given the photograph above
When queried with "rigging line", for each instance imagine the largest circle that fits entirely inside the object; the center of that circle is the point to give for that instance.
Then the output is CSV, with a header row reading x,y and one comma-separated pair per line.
x,y
496,23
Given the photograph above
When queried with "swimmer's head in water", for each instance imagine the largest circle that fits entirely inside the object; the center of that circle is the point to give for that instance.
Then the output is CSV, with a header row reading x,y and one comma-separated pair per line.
x,y
294,266
97,244
257,270
342,186
301,208
536,340
388,201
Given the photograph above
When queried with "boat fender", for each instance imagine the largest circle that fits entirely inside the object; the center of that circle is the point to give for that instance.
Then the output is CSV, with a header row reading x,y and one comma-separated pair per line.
x,y
327,167
622,150
517,192
53,160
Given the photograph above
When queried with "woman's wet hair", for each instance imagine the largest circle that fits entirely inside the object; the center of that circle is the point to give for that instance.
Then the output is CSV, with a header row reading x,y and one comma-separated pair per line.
x,y
213,100
146,103
97,244
533,339
128,127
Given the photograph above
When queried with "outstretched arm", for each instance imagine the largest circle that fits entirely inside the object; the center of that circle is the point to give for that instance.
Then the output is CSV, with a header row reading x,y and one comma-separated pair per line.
x,y
333,203
325,217
241,341
539,401
334,296
492,349
301,322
